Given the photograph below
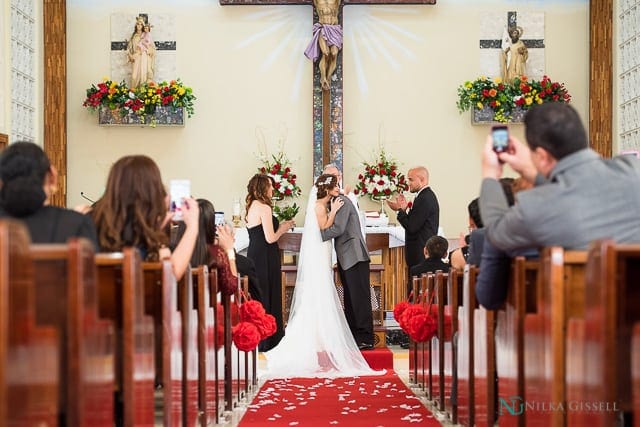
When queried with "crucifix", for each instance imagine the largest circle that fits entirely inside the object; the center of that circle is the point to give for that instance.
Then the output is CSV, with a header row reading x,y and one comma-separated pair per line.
x,y
327,76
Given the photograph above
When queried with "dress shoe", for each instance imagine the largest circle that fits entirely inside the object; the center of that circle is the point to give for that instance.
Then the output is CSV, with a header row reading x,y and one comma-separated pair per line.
x,y
365,346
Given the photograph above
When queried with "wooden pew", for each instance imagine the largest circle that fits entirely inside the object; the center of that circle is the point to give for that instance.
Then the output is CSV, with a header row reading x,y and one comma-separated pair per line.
x,y
29,364
171,305
466,353
635,373
210,379
509,338
611,314
413,346
560,297
454,291
121,299
66,298
484,360
419,353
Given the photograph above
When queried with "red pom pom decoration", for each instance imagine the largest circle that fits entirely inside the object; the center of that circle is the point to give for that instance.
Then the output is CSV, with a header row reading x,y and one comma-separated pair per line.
x,y
251,311
422,327
266,325
246,336
408,313
399,309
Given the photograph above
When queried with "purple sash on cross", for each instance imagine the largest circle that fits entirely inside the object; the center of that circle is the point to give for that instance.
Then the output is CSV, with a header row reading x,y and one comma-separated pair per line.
x,y
331,33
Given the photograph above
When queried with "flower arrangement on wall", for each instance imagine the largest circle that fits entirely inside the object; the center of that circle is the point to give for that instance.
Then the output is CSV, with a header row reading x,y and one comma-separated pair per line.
x,y
142,100
504,98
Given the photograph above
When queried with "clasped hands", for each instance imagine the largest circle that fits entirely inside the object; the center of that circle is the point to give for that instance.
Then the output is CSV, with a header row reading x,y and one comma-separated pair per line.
x,y
398,203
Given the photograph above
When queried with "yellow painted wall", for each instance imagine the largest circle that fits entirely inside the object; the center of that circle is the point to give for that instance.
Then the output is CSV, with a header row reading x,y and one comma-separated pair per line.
x,y
253,86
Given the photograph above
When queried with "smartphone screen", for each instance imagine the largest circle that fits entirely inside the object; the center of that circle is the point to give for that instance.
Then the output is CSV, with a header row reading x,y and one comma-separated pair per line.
x,y
220,218
500,135
178,190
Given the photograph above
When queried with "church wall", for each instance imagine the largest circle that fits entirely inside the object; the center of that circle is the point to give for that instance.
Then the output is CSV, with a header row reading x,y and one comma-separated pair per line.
x,y
253,85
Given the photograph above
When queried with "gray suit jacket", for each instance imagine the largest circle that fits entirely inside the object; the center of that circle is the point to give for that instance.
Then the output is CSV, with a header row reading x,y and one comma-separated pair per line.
x,y
349,244
585,198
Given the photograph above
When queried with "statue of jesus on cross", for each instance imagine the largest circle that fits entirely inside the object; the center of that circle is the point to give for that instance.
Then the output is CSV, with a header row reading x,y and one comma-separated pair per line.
x,y
327,39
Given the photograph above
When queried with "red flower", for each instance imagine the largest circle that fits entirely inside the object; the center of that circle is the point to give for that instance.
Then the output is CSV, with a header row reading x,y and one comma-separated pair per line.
x,y
409,204
287,192
246,336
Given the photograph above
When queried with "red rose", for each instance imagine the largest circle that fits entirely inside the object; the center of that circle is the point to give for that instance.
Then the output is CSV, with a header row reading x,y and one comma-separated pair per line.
x,y
393,173
383,171
287,169
380,182
276,186
387,191
409,204
356,191
277,166
287,192
421,327
245,336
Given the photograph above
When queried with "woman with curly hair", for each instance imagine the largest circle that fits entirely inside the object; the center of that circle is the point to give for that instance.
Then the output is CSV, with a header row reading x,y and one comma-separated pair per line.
x,y
264,232
134,212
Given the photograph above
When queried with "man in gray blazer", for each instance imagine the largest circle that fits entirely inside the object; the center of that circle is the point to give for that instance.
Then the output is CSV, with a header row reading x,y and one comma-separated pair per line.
x,y
578,196
353,267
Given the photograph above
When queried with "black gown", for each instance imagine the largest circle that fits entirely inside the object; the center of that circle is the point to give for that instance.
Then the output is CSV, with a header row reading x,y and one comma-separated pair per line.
x,y
266,257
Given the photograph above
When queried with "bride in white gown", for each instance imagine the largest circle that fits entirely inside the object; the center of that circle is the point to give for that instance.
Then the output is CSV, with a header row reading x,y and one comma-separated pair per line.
x,y
317,340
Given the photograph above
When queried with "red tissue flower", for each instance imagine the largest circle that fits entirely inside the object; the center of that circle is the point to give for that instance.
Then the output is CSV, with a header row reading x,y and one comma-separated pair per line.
x,y
422,327
251,311
246,336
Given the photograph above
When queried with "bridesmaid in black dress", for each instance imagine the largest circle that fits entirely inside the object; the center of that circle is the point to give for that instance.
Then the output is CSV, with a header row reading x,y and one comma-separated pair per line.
x,y
264,232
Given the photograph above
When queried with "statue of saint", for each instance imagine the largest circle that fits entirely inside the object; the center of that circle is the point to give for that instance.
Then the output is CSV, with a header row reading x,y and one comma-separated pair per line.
x,y
141,52
514,56
327,39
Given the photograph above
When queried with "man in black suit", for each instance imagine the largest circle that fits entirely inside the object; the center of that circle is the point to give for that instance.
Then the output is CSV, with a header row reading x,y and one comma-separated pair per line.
x,y
421,220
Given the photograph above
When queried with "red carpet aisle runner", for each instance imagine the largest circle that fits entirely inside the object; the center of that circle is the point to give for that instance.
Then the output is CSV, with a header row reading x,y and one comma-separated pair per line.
x,y
379,358
375,401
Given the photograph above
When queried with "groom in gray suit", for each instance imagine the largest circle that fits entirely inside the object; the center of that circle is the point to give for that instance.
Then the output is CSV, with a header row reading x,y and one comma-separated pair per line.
x,y
353,267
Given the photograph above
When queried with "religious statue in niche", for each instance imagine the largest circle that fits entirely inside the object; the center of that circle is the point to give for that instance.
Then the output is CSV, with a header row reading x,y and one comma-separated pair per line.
x,y
141,52
327,39
514,55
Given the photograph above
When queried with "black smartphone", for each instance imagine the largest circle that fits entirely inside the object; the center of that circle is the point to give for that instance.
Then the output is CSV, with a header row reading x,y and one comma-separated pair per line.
x,y
500,136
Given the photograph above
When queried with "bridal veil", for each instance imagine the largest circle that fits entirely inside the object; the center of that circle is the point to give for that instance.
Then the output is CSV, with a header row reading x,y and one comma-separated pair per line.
x,y
317,341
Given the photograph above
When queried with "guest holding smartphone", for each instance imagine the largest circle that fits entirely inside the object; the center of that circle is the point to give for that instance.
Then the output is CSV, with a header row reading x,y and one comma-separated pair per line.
x,y
264,231
134,211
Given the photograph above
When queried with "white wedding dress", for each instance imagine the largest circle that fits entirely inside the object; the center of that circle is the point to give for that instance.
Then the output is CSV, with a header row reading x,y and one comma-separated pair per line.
x,y
317,341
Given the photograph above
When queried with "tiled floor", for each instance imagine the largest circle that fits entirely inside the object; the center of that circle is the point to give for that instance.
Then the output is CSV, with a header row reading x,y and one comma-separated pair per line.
x,y
400,365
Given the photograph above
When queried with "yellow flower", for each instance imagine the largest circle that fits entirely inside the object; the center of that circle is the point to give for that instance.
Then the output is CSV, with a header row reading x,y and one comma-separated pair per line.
x,y
181,91
479,105
467,85
498,80
528,100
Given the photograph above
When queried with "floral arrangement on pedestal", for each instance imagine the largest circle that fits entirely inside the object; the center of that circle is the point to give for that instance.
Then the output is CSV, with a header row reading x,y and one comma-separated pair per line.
x,y
143,100
381,179
504,99
279,168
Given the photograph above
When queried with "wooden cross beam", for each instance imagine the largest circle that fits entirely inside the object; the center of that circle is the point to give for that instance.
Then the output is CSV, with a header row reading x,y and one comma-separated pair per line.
x,y
327,104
